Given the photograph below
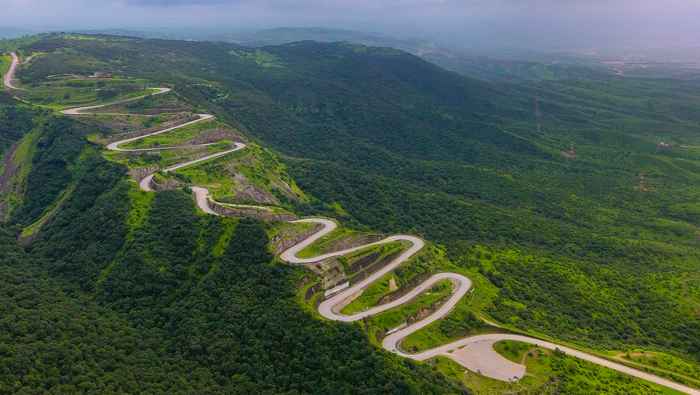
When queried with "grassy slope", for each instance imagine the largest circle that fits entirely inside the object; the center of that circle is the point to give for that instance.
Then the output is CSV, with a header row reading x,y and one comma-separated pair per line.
x,y
22,158
176,136
58,99
5,62
11,44
325,243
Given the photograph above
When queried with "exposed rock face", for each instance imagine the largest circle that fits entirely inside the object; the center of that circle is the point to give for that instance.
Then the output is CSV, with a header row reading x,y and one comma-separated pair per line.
x,y
330,272
143,172
246,190
385,261
311,292
363,262
158,185
241,213
24,240
10,170
294,240
351,241
283,187
392,285
276,238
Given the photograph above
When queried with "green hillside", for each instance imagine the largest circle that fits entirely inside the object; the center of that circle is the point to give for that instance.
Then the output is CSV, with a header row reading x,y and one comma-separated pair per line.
x,y
561,245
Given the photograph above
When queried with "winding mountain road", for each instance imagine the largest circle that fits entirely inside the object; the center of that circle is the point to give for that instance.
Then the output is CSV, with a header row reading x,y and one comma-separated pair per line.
x,y
145,183
78,110
392,341
11,72
463,284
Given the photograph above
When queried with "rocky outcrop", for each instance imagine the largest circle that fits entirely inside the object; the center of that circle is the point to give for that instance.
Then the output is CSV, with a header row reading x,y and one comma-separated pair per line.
x,y
248,213
282,235
351,241
159,185
9,170
296,239
365,261
426,311
330,271
311,292
24,240
247,191
143,172
383,262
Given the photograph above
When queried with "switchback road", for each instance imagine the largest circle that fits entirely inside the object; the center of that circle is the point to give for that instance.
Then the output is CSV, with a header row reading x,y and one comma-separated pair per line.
x,y
393,340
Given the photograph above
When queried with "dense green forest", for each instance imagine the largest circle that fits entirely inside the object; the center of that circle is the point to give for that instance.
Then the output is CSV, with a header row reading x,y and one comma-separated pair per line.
x,y
230,324
384,142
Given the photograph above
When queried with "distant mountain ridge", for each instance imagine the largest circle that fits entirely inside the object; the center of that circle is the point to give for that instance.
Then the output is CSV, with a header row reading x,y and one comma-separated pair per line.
x,y
473,65
13,32
452,59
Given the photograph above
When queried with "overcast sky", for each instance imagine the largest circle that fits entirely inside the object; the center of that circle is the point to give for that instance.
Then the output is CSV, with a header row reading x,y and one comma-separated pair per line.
x,y
530,21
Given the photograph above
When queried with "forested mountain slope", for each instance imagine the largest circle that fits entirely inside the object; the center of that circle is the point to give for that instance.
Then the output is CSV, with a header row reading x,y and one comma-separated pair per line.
x,y
561,245
219,321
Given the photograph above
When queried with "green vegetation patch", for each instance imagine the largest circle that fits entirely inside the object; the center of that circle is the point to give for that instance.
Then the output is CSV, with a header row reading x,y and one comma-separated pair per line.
x,y
13,44
36,226
253,176
165,158
281,227
456,325
665,365
416,309
331,241
259,56
5,63
62,96
179,135
693,287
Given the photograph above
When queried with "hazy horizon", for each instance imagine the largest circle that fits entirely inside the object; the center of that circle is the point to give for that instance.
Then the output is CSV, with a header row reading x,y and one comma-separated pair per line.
x,y
539,22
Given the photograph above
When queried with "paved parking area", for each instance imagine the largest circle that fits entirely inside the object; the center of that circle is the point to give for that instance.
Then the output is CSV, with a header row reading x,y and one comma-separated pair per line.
x,y
480,357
